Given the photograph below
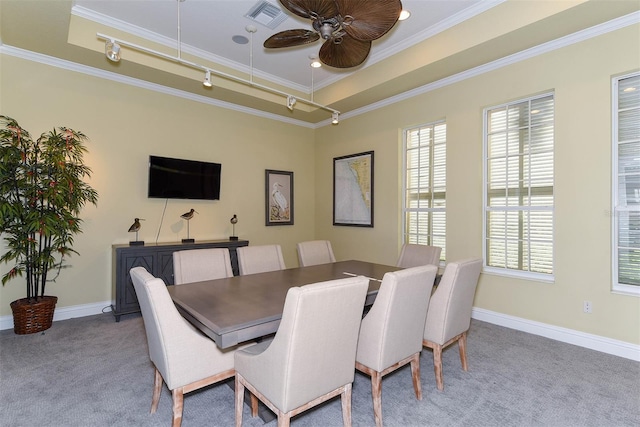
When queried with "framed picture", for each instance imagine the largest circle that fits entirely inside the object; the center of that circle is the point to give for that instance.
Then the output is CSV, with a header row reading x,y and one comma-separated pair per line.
x,y
278,197
353,190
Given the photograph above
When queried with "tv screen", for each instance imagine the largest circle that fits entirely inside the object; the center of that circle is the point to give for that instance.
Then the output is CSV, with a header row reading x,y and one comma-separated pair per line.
x,y
183,179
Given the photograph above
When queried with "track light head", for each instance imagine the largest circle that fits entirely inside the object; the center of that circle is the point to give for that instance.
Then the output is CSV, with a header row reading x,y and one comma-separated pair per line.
x,y
335,118
207,79
291,101
112,50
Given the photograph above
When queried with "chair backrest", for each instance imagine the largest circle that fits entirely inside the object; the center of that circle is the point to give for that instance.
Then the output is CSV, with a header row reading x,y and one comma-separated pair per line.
x,y
315,252
413,255
162,321
450,308
260,259
196,265
314,350
394,327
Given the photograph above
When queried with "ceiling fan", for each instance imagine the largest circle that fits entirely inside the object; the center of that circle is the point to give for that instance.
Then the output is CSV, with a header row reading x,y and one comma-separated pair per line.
x,y
347,26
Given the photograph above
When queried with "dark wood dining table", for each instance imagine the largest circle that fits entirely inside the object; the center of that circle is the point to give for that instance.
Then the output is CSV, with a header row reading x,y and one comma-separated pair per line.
x,y
242,308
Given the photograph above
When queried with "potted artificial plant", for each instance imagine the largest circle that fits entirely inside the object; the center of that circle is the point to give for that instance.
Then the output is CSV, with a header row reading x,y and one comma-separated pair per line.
x,y
42,192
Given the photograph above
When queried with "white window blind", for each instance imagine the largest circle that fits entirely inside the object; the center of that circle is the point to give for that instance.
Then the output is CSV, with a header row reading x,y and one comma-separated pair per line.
x,y
518,196
425,172
626,183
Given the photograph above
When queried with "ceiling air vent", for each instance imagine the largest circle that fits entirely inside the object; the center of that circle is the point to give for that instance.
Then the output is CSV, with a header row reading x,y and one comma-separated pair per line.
x,y
267,14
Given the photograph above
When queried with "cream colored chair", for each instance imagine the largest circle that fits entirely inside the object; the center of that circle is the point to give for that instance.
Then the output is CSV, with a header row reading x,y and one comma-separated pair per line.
x,y
196,265
413,255
391,333
449,315
311,358
260,259
183,357
315,252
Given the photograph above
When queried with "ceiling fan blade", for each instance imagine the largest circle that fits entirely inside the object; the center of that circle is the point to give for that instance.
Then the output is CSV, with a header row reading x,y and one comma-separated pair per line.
x,y
368,20
291,38
309,8
349,53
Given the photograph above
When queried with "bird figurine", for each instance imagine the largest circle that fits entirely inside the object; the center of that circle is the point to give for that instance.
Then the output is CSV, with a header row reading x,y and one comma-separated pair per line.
x,y
188,216
135,227
233,221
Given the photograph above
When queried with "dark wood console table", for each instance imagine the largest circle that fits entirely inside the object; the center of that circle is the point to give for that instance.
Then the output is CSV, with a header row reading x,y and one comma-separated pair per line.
x,y
158,260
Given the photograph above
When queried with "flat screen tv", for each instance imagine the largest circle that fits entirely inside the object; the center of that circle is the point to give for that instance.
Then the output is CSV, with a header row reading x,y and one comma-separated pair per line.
x,y
183,179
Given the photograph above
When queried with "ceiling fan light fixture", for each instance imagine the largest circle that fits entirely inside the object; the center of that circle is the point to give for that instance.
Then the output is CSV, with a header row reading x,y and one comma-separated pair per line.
x,y
335,118
291,101
207,79
112,50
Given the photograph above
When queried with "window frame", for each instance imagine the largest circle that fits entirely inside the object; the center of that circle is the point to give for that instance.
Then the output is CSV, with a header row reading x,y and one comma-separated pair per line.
x,y
616,287
504,271
404,188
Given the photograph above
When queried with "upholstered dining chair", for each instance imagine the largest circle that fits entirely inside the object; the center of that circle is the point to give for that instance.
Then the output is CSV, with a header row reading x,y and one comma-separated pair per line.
x,y
449,314
311,358
391,333
196,265
413,255
183,357
315,252
260,259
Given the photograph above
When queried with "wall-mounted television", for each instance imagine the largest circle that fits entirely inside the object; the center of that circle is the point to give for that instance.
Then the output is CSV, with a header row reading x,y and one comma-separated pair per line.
x,y
171,178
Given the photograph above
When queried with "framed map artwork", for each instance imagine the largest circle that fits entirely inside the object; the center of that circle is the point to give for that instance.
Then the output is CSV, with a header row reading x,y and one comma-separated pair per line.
x,y
353,190
278,197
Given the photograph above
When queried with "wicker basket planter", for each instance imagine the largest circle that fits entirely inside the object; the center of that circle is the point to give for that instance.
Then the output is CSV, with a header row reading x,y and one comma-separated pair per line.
x,y
30,317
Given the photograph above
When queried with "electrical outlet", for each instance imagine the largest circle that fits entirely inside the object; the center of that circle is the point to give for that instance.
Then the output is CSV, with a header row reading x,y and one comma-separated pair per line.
x,y
587,307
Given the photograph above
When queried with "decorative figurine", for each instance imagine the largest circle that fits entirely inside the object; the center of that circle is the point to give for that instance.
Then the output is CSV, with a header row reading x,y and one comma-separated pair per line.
x,y
188,216
233,221
136,227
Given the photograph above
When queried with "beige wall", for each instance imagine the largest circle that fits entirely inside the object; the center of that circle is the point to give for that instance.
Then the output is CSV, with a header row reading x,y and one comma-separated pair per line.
x,y
580,75
126,124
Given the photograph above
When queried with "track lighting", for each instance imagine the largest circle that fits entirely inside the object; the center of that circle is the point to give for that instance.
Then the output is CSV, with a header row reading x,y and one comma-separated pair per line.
x,y
112,50
207,79
291,101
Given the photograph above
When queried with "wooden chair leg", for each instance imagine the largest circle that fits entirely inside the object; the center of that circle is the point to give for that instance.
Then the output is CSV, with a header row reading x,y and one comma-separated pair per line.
x,y
157,388
254,405
345,398
376,395
177,406
284,420
437,366
239,389
462,346
415,375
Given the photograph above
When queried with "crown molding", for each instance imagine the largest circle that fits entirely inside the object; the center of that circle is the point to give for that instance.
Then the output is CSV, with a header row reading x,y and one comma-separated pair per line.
x,y
108,75
577,37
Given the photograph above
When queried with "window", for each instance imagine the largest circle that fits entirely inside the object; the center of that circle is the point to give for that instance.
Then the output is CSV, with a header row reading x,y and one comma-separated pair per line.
x,y
626,183
424,190
518,196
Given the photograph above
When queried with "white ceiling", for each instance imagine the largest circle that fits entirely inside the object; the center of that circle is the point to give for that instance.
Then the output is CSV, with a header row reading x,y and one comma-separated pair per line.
x,y
206,27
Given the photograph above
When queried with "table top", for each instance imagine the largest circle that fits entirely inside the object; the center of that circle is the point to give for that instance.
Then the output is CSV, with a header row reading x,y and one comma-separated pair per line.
x,y
242,308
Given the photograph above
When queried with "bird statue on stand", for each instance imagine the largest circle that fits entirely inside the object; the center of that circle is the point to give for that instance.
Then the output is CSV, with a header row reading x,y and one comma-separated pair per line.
x,y
233,221
136,227
188,216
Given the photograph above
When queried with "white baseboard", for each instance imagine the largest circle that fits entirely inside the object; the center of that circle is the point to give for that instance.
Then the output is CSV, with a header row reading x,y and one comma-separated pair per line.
x,y
64,313
582,339
569,336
